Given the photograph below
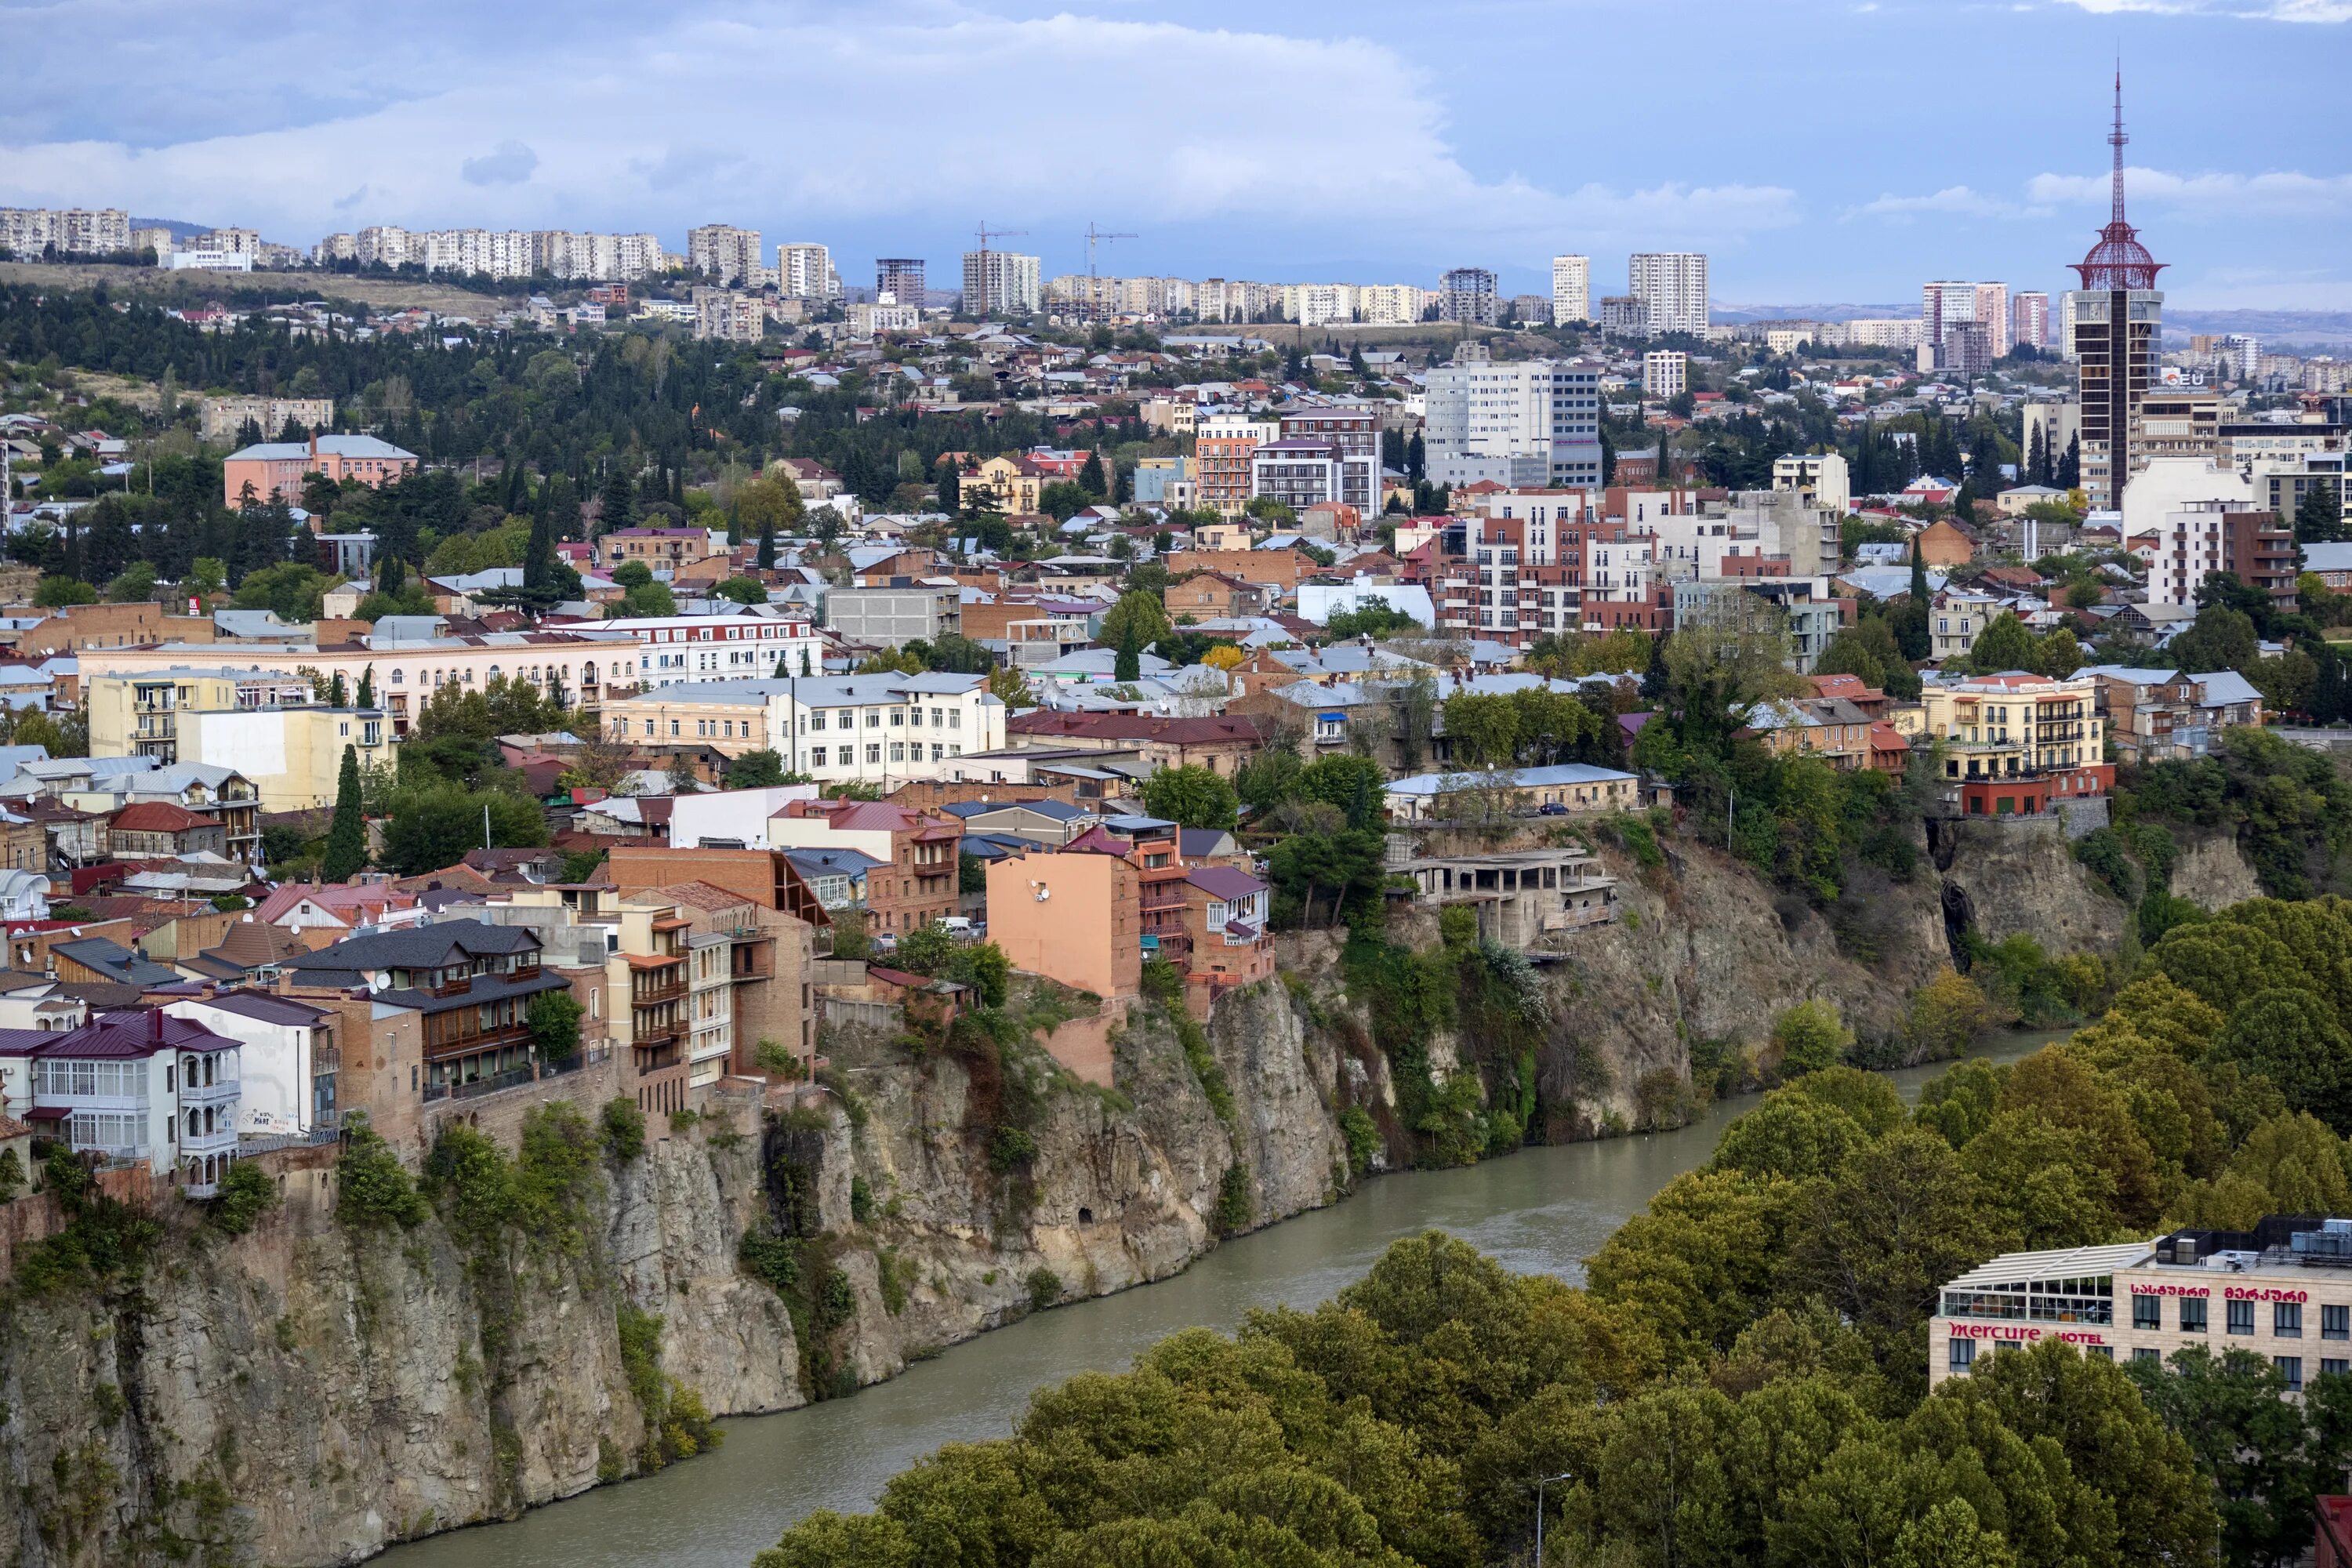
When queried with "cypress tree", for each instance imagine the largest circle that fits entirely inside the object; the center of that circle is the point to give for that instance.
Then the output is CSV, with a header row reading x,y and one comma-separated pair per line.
x,y
1129,664
804,662
367,687
951,489
620,498
346,854
767,544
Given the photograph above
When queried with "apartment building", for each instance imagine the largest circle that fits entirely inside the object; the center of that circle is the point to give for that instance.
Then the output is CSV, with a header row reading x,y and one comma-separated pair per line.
x,y
2284,1291
660,550
2198,517
1224,448
1465,295
804,271
2017,744
1525,423
761,642
1665,372
879,729
220,418
31,232
1672,287
917,880
604,258
2113,338
898,279
273,472
1001,283
727,316
1571,289
722,251
2029,316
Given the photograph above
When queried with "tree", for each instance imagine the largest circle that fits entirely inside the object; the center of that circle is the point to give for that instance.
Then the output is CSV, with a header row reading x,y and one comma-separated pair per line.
x,y
743,591
2005,645
1128,664
346,853
755,770
1909,621
433,825
2319,516
1190,796
618,499
1946,1014
554,1018
950,487
1090,476
1141,609
2294,1039
1481,727
134,585
682,780
2220,638
1810,1037
57,593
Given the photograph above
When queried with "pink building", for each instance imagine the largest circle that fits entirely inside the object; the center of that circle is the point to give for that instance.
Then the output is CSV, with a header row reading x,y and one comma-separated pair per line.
x,y
275,470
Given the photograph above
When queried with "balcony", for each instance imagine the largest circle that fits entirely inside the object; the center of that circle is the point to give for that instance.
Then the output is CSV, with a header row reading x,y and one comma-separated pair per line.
x,y
221,1092
654,996
488,1084
455,1044
220,1140
658,1036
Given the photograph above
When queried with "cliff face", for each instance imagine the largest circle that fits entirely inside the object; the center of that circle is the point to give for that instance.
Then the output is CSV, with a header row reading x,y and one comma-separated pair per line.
x,y
305,1395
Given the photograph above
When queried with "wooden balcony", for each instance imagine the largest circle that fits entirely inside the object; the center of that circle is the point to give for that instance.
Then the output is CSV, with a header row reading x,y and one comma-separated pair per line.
x,y
653,996
458,1044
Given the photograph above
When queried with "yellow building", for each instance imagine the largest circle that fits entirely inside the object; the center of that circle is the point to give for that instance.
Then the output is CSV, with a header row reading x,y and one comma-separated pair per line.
x,y
1013,483
139,715
2017,744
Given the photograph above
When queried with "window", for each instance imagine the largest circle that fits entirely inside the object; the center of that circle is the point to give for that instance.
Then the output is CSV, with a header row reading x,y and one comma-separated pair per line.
x,y
1963,1356
816,719
2105,1352
2147,1312
2192,1314
873,753
2287,1320
2334,1367
2241,1317
2291,1368
2336,1322
2144,1354
816,756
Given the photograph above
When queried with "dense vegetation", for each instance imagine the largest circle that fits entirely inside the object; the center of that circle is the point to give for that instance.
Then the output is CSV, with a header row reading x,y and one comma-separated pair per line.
x,y
1742,1379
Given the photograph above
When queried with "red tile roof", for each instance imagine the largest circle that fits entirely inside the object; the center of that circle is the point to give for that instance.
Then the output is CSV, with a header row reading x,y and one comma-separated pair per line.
x,y
1238,728
157,817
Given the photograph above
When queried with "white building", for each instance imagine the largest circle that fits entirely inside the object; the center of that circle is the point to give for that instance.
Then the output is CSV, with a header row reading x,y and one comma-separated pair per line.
x,y
1820,477
2176,503
1001,283
722,251
1665,372
73,231
1671,285
602,258
139,1085
289,1059
1571,289
1527,423
804,271
193,260
878,729
741,644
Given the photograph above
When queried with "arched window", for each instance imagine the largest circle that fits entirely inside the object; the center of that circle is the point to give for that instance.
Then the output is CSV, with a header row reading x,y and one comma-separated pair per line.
x,y
396,678
494,672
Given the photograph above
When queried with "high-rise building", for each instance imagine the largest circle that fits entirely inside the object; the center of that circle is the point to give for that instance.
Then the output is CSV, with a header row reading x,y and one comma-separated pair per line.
x,y
1992,310
31,231
901,278
1571,289
2029,319
1943,302
1527,423
1001,283
1623,315
722,251
1672,284
804,271
1664,374
1466,295
2118,327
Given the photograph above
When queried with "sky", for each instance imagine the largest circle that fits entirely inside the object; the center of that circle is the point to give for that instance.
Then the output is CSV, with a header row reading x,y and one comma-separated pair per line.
x,y
1818,152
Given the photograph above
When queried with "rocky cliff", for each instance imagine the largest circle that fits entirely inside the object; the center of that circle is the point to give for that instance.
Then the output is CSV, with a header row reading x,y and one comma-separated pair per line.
x,y
306,1394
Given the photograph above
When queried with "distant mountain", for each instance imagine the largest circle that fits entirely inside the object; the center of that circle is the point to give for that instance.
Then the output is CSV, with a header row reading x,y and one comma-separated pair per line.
x,y
2276,329
1732,315
181,228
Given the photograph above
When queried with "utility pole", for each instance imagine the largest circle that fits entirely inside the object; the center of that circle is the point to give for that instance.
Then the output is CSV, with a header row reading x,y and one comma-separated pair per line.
x,y
1540,1484
986,290
1094,288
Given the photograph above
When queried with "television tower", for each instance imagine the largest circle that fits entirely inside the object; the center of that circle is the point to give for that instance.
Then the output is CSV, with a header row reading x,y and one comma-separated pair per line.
x,y
2115,332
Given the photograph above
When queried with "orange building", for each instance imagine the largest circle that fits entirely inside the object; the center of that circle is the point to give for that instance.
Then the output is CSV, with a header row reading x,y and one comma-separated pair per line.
x,y
1071,917
274,471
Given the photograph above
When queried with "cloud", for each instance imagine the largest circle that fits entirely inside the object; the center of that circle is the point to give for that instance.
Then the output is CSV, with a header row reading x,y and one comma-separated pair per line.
x,y
796,120
509,163
2312,11
2279,193
1952,201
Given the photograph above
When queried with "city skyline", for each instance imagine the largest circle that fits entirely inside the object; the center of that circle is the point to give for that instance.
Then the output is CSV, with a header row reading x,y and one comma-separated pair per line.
x,y
1423,164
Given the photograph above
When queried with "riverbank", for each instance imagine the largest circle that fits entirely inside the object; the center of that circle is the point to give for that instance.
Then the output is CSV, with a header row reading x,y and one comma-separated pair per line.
x,y
1543,1208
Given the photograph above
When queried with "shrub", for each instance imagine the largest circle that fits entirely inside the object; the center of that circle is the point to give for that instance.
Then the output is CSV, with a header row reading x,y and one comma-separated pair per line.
x,y
861,1200
373,1189
1234,1209
624,1129
1363,1136
12,1174
1044,1287
1810,1037
1010,1150
554,1020
245,1194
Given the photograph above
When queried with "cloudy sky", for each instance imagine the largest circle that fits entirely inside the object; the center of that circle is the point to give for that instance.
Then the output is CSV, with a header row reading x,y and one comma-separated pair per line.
x,y
1820,152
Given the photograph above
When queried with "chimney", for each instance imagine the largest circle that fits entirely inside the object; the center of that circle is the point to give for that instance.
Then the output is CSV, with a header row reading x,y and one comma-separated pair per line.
x,y
155,1025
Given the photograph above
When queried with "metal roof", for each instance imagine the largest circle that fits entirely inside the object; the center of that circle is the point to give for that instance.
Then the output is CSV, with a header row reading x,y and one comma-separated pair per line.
x,y
2065,1263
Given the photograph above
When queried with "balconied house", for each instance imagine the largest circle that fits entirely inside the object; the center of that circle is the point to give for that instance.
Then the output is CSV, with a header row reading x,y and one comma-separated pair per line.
x,y
140,1087
2016,744
469,985
289,1062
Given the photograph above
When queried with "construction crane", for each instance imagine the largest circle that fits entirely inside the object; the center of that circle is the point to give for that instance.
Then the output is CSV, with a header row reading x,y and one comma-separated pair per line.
x,y
1094,288
987,234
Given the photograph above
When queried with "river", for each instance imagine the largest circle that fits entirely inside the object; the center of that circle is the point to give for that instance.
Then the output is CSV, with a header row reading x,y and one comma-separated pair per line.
x,y
1541,1209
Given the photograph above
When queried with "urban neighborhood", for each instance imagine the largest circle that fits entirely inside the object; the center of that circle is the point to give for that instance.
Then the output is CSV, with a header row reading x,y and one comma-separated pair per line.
x,y
600,837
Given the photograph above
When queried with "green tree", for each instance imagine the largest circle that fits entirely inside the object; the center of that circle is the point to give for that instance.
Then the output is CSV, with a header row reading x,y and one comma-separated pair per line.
x,y
2319,516
1483,728
1808,1037
743,591
2005,645
432,826
55,592
1137,612
755,770
2220,638
346,853
554,1018
1190,796
1128,664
